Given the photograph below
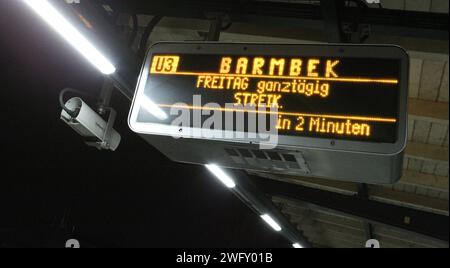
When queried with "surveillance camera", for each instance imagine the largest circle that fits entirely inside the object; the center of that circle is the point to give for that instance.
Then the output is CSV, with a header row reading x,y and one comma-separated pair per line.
x,y
90,125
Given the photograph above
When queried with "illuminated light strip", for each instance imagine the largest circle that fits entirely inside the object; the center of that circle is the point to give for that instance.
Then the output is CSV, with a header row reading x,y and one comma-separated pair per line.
x,y
221,175
271,222
63,27
338,79
361,118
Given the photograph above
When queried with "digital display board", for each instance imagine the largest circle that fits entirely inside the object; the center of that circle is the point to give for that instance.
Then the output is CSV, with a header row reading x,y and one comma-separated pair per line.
x,y
329,94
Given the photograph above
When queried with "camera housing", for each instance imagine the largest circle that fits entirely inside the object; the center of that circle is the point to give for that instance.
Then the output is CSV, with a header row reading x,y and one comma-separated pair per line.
x,y
96,131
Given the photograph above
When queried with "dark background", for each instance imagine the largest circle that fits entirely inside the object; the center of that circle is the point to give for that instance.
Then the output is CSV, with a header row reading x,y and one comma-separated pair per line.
x,y
52,185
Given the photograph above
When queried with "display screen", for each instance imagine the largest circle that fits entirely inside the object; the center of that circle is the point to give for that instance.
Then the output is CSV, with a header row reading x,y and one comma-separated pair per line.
x,y
349,98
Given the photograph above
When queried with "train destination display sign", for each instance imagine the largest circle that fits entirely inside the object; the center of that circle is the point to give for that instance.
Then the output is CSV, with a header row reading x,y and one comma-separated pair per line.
x,y
348,93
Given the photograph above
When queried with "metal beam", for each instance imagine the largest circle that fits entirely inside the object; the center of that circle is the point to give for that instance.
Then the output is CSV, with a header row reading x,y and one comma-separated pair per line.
x,y
383,21
379,193
215,29
363,193
388,237
421,222
332,21
309,30
256,200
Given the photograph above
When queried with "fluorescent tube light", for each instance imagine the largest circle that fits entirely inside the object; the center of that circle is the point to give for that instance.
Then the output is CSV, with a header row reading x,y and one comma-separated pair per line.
x,y
296,245
270,221
221,175
62,26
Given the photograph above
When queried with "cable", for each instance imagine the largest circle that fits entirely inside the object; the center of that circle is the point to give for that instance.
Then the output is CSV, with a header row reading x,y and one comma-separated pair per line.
x,y
227,26
62,103
148,30
360,7
135,30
